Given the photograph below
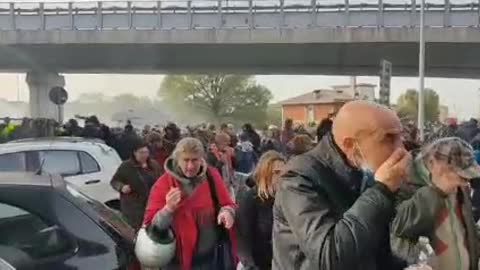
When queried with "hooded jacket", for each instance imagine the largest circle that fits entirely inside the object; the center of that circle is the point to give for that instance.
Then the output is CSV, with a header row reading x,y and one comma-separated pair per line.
x,y
419,205
193,222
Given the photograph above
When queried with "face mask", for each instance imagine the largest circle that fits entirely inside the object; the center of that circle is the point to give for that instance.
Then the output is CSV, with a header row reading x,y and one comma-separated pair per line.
x,y
360,161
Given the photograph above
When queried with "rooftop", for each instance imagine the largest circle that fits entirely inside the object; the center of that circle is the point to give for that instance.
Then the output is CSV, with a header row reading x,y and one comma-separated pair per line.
x,y
59,143
321,96
356,85
58,139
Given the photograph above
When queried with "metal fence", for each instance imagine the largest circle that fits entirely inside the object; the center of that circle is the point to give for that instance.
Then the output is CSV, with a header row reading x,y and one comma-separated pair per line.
x,y
233,14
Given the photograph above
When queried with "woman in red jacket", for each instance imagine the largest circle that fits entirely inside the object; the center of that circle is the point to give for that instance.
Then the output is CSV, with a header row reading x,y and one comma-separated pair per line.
x,y
181,200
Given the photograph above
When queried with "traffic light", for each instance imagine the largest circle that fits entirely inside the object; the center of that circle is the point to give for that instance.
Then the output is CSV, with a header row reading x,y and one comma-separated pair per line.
x,y
385,77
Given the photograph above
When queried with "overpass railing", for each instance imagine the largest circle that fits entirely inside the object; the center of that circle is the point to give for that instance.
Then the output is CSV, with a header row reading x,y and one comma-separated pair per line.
x,y
233,14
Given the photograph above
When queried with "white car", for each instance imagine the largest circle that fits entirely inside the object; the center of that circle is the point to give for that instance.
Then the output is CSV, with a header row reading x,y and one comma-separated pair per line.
x,y
88,164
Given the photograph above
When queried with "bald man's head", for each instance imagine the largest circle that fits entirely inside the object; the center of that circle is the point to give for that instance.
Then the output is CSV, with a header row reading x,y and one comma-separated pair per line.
x,y
367,133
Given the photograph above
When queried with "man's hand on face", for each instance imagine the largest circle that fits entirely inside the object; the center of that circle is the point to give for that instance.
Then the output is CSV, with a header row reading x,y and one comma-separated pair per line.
x,y
394,170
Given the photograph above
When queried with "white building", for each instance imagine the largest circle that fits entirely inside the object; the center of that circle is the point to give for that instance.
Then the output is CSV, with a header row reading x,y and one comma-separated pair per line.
x,y
363,91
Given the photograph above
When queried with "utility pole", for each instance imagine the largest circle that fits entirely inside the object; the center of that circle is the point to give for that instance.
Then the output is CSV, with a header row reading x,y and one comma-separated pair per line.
x,y
421,73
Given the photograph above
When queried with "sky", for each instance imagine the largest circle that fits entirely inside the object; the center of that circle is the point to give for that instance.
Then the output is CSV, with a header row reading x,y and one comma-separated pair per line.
x,y
462,96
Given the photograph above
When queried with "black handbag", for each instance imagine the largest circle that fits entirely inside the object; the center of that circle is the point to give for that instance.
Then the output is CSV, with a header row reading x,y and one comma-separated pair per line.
x,y
222,258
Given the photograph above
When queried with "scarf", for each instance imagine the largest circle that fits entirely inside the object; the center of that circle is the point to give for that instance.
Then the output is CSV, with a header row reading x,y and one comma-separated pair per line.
x,y
184,219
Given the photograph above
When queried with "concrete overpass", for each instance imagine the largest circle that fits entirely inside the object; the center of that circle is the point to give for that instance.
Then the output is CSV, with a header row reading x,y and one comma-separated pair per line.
x,y
451,52
250,36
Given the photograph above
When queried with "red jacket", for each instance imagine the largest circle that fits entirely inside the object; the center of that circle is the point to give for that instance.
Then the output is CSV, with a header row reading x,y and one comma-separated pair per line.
x,y
184,225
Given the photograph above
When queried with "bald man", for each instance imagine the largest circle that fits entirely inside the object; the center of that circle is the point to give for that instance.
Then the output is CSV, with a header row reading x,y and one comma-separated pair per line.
x,y
326,215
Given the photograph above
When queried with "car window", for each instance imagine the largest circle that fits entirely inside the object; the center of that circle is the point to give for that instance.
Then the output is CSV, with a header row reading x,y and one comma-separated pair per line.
x,y
110,218
89,164
30,234
12,162
60,162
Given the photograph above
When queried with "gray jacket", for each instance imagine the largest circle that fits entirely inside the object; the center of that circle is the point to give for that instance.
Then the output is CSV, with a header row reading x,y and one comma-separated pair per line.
x,y
322,220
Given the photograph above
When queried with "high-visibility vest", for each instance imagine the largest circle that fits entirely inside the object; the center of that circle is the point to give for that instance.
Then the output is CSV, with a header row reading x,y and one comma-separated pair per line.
x,y
7,130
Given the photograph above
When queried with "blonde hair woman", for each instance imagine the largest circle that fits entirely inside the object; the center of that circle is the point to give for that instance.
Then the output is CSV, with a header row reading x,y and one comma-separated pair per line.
x,y
183,200
254,216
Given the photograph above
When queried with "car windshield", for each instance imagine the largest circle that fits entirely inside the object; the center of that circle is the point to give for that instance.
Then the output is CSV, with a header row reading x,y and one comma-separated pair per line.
x,y
108,216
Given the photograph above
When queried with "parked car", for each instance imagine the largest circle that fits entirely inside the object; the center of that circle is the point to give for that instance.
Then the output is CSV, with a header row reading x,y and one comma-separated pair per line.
x,y
5,266
86,163
45,223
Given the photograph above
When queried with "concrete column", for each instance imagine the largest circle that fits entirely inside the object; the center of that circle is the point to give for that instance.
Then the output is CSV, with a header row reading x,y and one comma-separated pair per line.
x,y
40,84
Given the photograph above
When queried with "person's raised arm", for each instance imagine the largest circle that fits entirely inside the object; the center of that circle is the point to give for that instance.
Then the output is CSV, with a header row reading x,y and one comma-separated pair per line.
x,y
338,244
329,243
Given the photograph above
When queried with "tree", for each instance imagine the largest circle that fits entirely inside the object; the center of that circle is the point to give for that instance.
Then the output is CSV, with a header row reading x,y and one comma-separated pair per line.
x,y
407,105
274,115
216,97
120,107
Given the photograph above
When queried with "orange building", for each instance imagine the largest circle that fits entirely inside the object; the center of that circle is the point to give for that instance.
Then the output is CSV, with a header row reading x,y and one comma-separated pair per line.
x,y
314,106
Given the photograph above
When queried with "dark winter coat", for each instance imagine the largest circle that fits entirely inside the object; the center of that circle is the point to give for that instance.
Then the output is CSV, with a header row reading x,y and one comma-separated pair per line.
x,y
324,220
271,144
254,231
91,131
245,157
141,180
468,131
323,128
254,138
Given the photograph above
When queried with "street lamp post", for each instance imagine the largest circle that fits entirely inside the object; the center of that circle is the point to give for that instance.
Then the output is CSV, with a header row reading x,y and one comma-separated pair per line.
x,y
421,73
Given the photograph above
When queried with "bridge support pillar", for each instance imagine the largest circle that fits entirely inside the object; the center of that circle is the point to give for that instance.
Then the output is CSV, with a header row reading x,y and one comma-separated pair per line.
x,y
40,83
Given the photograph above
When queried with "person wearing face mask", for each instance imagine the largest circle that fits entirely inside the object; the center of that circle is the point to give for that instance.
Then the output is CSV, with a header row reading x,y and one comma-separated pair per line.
x,y
325,217
435,203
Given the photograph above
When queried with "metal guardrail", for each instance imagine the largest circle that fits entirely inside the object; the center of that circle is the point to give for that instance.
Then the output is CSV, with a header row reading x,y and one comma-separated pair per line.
x,y
153,14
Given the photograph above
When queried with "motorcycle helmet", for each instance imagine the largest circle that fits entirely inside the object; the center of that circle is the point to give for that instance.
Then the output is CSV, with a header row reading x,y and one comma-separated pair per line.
x,y
155,248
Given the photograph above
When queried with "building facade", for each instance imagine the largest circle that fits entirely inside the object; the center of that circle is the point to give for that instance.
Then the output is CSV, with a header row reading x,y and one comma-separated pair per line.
x,y
363,91
317,105
314,106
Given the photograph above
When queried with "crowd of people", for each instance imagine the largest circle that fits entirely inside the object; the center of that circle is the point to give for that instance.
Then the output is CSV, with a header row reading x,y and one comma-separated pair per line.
x,y
359,198
358,194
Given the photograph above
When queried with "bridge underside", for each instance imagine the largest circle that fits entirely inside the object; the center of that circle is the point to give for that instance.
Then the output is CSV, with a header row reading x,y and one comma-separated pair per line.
x,y
323,57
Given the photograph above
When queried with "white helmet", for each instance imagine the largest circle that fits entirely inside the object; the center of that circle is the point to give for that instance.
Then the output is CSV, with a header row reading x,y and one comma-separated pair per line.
x,y
154,249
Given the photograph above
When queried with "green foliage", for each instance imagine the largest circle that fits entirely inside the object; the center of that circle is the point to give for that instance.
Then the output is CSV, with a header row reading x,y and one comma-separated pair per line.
x,y
407,105
274,115
216,98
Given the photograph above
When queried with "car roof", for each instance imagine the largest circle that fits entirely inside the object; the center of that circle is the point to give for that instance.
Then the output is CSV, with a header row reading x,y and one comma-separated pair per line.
x,y
29,179
58,143
57,139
